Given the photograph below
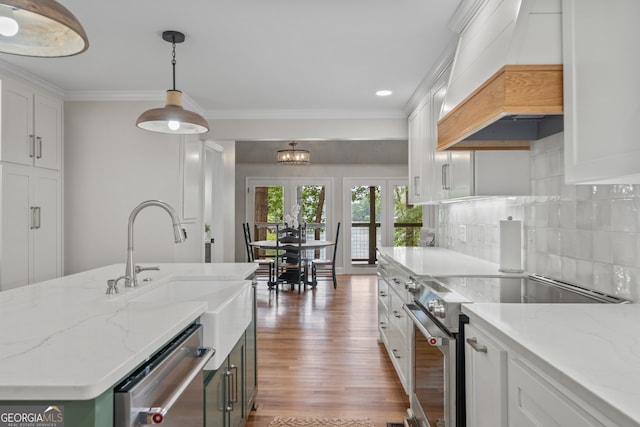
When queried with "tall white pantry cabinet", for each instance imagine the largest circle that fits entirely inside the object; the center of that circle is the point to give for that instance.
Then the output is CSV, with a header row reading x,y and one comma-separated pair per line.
x,y
31,143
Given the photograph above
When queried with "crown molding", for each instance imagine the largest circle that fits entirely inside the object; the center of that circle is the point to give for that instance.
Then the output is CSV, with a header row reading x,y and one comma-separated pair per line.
x,y
146,96
301,114
12,71
442,66
466,11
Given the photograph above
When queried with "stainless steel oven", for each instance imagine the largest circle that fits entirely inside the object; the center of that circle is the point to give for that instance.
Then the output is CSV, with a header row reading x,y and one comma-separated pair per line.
x,y
434,359
168,389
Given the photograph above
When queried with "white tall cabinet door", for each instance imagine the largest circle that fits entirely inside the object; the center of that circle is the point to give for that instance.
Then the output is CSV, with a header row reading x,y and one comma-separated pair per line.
x,y
17,123
601,87
31,234
420,153
485,380
16,254
47,238
31,126
48,132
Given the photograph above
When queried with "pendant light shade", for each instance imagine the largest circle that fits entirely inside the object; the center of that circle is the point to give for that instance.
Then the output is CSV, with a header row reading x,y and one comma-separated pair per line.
x,y
42,28
172,118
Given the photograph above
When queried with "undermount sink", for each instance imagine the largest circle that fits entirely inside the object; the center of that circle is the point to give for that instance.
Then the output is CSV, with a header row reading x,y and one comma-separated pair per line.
x,y
229,310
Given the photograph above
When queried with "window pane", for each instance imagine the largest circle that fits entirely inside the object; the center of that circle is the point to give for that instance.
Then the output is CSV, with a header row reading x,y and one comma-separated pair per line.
x,y
269,206
407,219
365,223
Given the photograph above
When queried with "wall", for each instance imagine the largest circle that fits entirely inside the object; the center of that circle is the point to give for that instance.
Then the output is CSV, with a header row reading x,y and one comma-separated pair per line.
x,y
585,234
110,167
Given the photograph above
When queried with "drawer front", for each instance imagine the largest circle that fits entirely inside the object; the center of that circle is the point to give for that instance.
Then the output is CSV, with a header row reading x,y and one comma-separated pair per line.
x,y
383,292
535,403
383,324
398,317
399,354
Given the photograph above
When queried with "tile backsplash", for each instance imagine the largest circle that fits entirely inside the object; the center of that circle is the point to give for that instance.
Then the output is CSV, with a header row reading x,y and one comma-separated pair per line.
x,y
583,234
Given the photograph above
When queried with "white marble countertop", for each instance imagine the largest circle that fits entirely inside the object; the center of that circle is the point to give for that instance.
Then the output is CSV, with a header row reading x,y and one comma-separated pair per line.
x,y
66,339
440,262
592,349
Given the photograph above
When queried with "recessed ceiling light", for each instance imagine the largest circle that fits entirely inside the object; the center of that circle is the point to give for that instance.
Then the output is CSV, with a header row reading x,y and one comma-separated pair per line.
x,y
384,92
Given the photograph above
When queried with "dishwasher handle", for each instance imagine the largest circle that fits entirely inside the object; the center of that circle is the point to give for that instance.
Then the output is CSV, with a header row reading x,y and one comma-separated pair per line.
x,y
156,415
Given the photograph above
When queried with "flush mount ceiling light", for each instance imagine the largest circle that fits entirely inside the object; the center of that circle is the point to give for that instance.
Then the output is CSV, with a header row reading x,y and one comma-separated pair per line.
x,y
293,156
384,92
41,28
172,118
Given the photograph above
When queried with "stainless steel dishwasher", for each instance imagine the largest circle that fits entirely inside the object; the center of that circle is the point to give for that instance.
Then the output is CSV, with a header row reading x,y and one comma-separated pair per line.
x,y
167,389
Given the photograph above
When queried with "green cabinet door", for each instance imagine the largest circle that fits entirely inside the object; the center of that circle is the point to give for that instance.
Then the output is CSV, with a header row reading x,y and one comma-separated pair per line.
x,y
215,383
236,385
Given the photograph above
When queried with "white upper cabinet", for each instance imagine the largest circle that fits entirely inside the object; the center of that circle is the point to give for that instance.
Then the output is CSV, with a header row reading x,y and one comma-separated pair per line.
x,y
601,91
420,153
31,127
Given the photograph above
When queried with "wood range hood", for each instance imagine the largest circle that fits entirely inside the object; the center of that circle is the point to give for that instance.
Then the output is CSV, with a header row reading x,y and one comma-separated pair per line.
x,y
517,104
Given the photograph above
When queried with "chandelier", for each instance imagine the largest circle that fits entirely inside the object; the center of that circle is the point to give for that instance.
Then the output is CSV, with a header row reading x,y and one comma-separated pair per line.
x,y
293,156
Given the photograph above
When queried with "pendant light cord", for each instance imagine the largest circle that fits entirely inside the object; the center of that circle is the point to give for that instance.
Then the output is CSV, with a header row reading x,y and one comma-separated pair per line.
x,y
173,61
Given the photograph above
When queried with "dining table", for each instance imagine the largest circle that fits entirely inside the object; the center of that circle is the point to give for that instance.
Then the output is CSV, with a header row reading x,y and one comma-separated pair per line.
x,y
305,246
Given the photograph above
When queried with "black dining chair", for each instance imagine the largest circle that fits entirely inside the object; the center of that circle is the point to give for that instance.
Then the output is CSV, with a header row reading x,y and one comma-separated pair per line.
x,y
290,267
266,266
326,268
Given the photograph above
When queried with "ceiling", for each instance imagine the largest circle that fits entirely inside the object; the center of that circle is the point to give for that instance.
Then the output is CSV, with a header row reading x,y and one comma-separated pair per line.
x,y
257,58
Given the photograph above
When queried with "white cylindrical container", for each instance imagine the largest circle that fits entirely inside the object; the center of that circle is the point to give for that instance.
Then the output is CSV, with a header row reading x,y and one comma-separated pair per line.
x,y
510,246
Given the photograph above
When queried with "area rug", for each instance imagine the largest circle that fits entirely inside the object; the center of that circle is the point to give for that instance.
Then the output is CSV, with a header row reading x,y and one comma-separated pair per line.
x,y
320,422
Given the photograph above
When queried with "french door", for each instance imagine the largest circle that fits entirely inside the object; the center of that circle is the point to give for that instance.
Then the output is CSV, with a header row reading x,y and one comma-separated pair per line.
x,y
276,200
377,214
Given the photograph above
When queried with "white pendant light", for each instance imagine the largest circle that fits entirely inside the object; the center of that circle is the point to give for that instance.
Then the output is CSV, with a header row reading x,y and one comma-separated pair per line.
x,y
42,28
172,118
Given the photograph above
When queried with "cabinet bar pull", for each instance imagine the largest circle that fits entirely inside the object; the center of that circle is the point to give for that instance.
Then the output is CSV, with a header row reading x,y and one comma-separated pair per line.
x,y
33,218
416,185
235,387
473,342
395,353
39,147
397,314
32,146
383,294
445,176
38,217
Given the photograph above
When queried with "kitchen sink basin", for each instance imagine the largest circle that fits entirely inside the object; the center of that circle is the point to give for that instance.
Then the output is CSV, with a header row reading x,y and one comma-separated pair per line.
x,y
229,310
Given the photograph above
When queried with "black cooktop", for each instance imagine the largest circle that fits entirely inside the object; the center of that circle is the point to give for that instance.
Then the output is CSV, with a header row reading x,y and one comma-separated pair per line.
x,y
531,289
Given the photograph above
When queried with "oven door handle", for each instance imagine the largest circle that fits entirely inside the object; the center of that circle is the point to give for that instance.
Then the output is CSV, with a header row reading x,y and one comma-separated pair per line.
x,y
431,339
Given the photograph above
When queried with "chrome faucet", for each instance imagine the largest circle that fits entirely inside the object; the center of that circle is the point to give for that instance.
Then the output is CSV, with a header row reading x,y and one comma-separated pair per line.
x,y
131,270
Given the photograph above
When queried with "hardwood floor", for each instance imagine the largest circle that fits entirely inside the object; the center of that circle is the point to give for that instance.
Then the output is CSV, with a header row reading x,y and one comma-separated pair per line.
x,y
318,355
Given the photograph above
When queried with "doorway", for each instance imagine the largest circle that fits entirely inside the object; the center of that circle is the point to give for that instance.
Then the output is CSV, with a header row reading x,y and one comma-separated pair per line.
x,y
278,200
213,193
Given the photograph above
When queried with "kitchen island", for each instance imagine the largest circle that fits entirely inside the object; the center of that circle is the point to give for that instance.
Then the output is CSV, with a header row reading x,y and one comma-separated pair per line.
x,y
65,341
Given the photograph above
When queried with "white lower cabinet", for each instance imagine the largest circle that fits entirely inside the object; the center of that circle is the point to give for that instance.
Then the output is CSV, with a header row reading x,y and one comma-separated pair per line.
x,y
485,380
394,326
31,225
505,388
534,402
